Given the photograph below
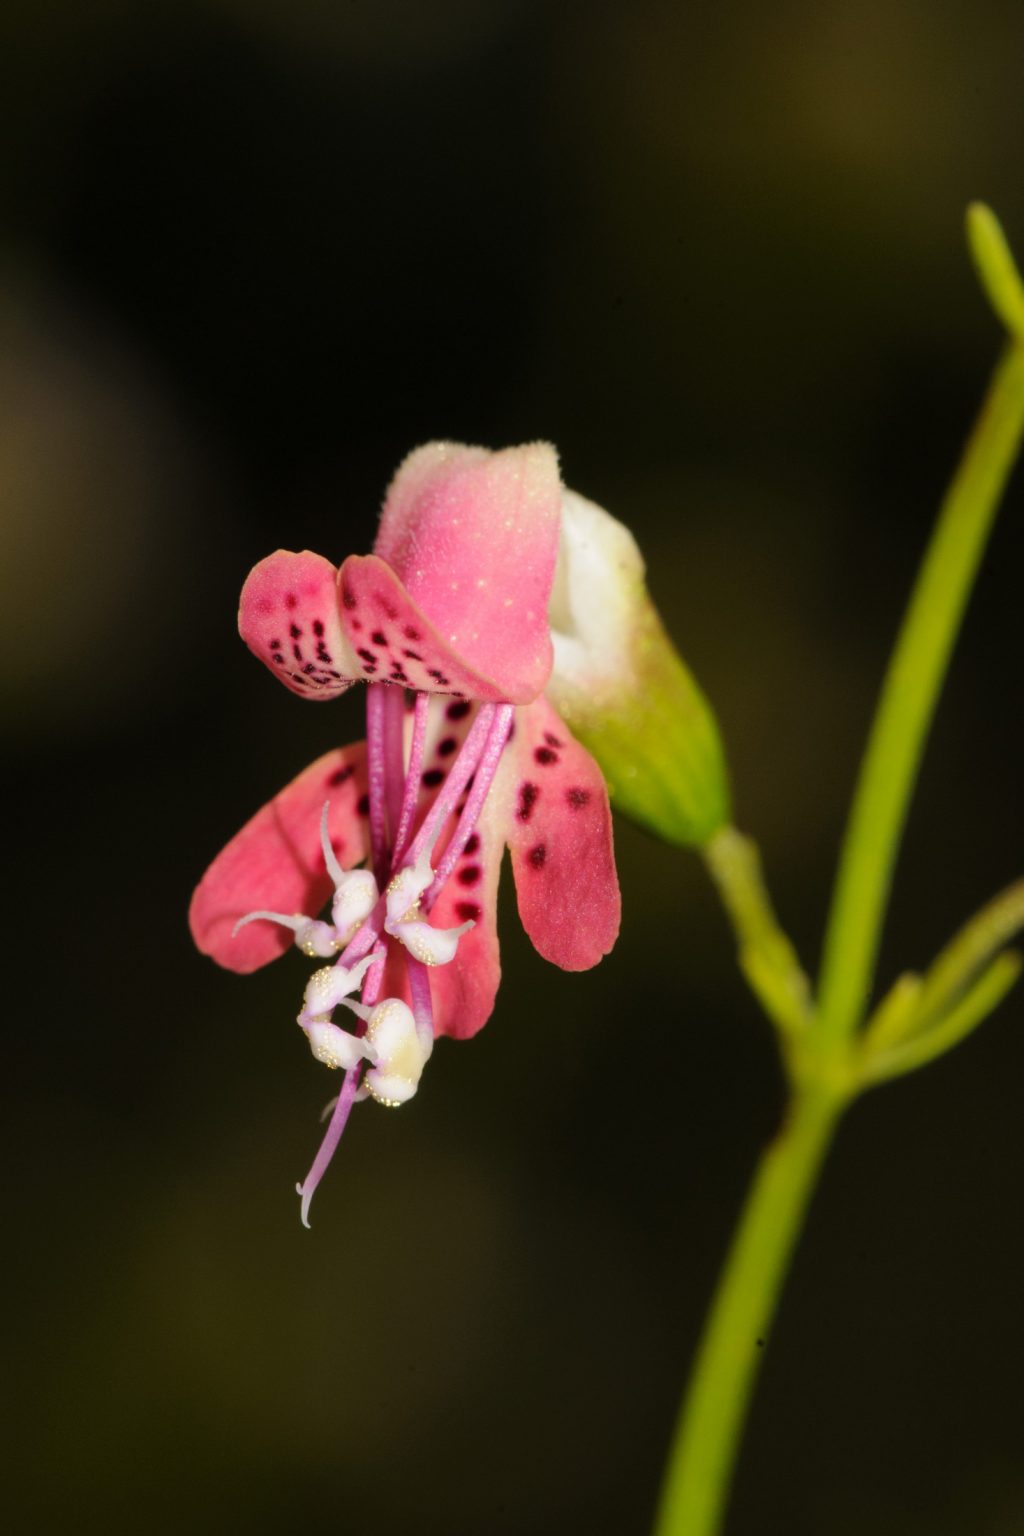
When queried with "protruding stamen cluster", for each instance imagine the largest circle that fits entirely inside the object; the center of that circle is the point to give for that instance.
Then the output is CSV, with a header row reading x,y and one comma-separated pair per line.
x,y
405,922
396,1040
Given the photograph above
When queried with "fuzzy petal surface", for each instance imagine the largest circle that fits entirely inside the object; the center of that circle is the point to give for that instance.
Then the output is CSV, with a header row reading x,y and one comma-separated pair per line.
x,y
395,641
554,804
473,538
288,617
276,863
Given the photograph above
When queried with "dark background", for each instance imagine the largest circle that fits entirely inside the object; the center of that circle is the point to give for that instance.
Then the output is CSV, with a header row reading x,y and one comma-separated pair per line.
x,y
252,252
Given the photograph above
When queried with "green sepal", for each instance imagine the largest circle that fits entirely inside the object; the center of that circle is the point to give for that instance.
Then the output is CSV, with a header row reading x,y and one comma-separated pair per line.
x,y
656,738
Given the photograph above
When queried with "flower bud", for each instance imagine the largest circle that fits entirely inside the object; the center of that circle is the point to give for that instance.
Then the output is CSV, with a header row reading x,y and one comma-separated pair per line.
x,y
621,686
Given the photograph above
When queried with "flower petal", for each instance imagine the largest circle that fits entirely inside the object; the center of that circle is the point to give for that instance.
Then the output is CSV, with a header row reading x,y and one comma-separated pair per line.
x,y
275,862
288,617
473,538
395,642
559,829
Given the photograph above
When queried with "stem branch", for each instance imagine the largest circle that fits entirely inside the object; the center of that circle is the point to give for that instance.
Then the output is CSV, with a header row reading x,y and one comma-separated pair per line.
x,y
908,700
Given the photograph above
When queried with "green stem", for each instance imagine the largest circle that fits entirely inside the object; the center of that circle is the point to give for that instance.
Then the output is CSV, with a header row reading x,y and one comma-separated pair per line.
x,y
908,701
766,956
709,1428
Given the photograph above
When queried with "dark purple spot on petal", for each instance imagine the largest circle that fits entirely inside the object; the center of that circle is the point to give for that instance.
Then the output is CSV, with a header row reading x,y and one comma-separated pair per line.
x,y
536,856
528,795
366,654
364,805
459,710
435,672
275,645
468,911
411,632
341,775
297,651
577,798
295,632
472,844
348,599
291,601
318,627
279,658
551,739
413,655
433,777
309,669
355,623
379,637
390,609
545,756
470,875
447,747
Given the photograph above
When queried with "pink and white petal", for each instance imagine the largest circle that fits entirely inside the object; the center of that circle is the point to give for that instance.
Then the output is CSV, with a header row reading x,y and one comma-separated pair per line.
x,y
275,863
288,617
473,537
559,828
395,642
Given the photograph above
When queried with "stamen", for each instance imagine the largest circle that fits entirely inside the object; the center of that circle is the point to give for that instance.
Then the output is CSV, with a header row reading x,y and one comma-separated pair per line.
x,y
394,756
315,939
376,774
334,869
487,767
412,776
459,775
422,1003
335,1048
429,945
329,986
346,1098
354,901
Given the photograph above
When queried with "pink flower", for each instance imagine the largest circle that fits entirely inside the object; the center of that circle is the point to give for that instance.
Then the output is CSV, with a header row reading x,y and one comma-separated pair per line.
x,y
447,620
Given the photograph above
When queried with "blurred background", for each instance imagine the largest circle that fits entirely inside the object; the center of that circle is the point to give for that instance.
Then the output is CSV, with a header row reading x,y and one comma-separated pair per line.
x,y
251,253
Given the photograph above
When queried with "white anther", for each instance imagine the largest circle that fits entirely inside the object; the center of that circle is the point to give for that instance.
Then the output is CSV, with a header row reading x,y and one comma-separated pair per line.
x,y
329,986
399,1053
336,1047
354,900
315,939
406,888
429,945
355,890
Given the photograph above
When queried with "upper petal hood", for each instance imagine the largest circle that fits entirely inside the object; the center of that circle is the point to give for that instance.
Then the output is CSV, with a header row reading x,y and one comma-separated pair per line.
x,y
473,538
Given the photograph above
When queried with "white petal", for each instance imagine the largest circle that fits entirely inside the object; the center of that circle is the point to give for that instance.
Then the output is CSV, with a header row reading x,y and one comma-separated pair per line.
x,y
598,588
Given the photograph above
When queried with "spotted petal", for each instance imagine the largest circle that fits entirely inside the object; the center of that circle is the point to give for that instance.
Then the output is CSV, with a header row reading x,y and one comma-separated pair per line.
x,y
276,862
472,536
288,617
554,804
